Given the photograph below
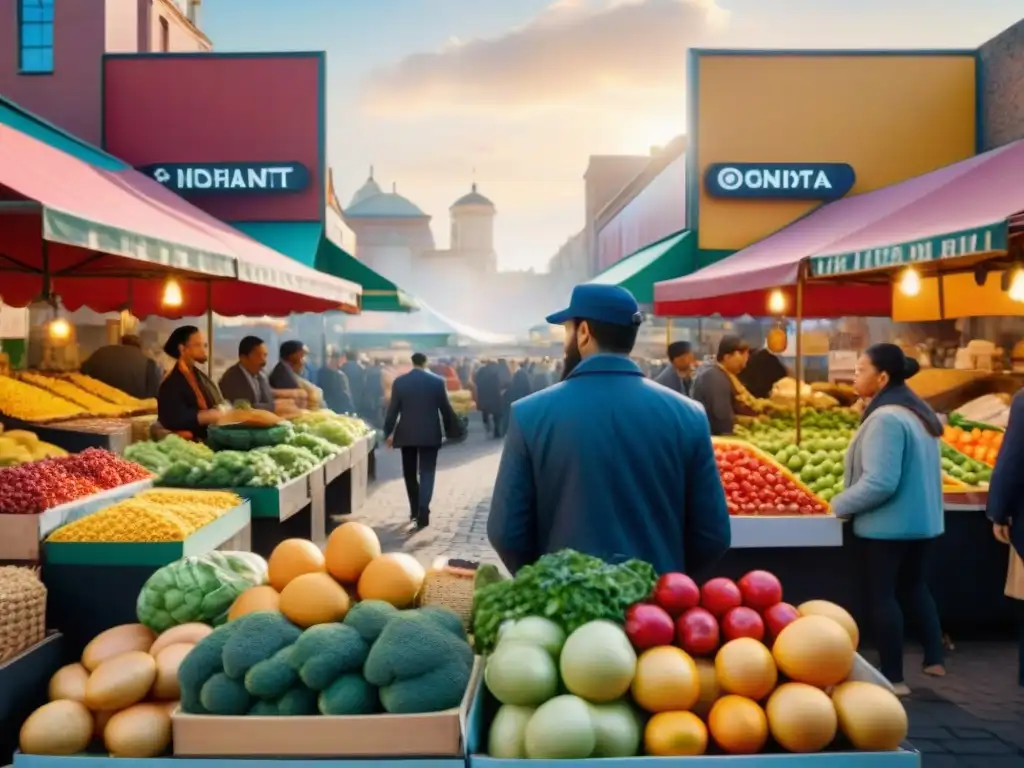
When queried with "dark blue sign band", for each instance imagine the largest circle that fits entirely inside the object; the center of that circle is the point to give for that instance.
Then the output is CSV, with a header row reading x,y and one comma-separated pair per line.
x,y
230,178
792,181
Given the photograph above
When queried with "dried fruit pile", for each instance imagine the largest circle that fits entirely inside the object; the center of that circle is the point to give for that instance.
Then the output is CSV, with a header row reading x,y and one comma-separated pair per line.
x,y
109,393
62,388
755,484
23,401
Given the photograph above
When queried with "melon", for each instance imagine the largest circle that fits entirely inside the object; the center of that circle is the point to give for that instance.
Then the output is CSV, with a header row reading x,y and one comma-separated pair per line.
x,y
814,650
121,681
69,683
745,667
293,558
395,578
115,641
801,718
871,717
598,663
350,548
183,633
253,600
143,730
835,612
58,728
313,598
165,687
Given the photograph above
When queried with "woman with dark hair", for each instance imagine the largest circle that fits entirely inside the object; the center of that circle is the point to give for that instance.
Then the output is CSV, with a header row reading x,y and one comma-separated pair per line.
x,y
894,495
188,401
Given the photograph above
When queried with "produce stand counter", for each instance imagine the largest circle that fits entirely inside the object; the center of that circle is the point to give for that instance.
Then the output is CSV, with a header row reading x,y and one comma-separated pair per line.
x,y
346,489
75,435
94,586
23,687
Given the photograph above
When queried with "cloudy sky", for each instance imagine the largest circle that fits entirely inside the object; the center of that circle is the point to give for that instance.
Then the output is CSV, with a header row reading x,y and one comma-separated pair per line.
x,y
522,91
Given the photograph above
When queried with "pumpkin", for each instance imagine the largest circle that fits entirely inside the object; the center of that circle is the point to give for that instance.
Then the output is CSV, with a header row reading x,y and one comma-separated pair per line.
x,y
314,598
121,681
143,730
254,599
292,558
115,641
58,728
350,548
395,578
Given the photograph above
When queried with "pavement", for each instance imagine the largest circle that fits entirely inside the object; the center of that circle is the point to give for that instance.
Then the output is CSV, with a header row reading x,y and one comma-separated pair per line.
x,y
972,718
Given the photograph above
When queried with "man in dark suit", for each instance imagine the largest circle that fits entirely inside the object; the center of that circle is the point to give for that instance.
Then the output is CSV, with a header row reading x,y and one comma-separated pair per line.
x,y
245,380
419,406
678,374
126,367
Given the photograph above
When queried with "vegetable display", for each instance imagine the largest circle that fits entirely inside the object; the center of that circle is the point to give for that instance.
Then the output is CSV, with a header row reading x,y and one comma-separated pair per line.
x,y
150,516
30,489
756,484
198,589
980,444
225,469
237,437
574,587
339,429
89,402
963,468
157,457
23,401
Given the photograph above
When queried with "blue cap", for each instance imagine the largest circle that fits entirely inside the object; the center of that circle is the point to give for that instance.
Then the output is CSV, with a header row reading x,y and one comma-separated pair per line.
x,y
605,303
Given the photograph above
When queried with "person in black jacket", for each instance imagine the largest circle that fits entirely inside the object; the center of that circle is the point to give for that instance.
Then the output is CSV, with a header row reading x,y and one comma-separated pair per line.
x,y
419,406
334,383
678,374
188,401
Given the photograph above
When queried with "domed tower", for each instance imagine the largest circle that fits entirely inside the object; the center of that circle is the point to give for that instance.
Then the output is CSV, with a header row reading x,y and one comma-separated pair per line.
x,y
369,189
472,238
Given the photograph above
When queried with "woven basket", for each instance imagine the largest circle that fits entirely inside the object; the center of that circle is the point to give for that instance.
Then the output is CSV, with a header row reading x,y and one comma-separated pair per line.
x,y
22,611
450,587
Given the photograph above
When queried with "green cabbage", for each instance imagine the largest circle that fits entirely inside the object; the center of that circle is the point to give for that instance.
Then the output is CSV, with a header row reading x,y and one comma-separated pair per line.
x,y
200,588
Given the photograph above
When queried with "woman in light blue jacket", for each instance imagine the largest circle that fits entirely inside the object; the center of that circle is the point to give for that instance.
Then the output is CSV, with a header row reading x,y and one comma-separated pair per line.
x,y
894,496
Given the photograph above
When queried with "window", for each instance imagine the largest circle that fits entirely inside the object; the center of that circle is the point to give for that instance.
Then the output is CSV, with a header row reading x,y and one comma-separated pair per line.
x,y
165,35
35,28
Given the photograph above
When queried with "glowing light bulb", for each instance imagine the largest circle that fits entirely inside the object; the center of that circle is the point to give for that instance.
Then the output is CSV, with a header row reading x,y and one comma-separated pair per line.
x,y
777,302
910,282
172,294
59,329
1016,291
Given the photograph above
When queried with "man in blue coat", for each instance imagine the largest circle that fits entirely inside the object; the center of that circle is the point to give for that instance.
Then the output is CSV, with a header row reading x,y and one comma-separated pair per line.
x,y
607,462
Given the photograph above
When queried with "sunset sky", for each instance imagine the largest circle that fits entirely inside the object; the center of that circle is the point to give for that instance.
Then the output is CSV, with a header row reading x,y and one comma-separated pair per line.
x,y
524,90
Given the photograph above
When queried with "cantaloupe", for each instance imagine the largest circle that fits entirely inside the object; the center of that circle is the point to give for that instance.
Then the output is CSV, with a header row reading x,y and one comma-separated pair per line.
x,y
394,577
165,687
292,558
871,717
58,728
815,650
121,681
183,633
261,598
115,641
314,598
350,548
69,683
801,718
143,730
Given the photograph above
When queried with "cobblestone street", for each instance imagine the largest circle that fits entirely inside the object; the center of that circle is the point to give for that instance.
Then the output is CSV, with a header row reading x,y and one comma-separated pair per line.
x,y
974,717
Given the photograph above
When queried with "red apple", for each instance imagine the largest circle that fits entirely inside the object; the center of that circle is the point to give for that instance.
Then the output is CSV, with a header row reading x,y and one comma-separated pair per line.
x,y
648,626
697,632
760,590
742,622
720,595
676,593
778,616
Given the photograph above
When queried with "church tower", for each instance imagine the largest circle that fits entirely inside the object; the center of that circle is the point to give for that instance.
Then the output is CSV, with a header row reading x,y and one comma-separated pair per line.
x,y
472,236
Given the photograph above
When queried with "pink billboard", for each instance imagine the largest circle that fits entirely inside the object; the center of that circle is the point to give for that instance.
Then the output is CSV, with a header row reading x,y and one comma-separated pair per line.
x,y
239,135
656,212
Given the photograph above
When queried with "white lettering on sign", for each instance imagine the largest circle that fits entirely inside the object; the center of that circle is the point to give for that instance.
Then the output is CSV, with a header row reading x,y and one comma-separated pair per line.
x,y
974,241
228,178
732,179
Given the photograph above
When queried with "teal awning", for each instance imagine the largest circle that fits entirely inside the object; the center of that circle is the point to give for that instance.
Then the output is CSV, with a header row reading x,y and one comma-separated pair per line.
x,y
306,242
667,259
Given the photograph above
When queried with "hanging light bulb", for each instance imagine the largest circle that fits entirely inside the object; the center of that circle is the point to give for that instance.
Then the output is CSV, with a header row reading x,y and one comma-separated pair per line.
x,y
777,302
59,329
172,294
910,282
1016,290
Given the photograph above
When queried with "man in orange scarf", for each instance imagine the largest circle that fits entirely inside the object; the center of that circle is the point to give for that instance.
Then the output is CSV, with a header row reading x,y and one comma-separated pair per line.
x,y
188,401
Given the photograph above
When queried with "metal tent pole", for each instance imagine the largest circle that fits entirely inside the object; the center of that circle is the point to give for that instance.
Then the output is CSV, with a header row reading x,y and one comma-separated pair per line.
x,y
209,325
799,347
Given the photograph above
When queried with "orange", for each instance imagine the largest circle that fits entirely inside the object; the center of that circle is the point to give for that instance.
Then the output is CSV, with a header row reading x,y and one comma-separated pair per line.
x,y
675,734
738,725
395,578
350,548
262,598
815,650
801,718
291,558
745,667
710,690
313,598
666,680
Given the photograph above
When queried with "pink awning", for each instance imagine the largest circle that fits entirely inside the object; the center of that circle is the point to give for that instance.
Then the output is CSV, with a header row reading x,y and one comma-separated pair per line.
x,y
102,227
957,211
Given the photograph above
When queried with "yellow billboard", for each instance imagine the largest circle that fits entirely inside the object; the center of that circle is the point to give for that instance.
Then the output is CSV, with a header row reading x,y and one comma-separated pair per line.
x,y
888,116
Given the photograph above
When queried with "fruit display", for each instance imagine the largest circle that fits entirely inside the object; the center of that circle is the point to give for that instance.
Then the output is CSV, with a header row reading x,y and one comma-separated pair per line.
x,y
119,694
66,389
964,469
158,457
772,434
23,401
239,437
462,402
757,484
20,446
201,588
30,489
721,668
337,428
111,394
976,443
150,516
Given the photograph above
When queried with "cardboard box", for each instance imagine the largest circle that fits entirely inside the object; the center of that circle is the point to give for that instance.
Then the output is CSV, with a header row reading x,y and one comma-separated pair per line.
x,y
438,734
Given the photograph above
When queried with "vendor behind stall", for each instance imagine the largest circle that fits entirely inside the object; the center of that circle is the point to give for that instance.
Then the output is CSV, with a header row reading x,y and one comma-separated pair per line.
x,y
188,401
245,380
125,367
715,386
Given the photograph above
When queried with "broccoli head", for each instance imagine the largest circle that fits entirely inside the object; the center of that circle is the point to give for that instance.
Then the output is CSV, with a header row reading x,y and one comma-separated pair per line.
x,y
350,694
257,637
419,664
202,663
325,651
271,678
446,618
296,702
369,617
222,695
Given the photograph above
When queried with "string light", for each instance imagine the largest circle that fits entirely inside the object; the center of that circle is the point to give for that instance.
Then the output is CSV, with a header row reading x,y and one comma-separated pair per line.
x,y
910,282
172,294
59,329
1016,291
777,302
